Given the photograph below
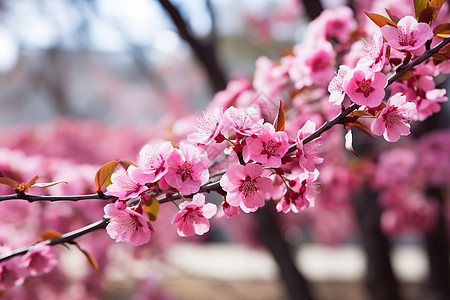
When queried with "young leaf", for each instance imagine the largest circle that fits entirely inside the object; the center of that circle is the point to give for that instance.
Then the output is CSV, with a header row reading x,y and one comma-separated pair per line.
x,y
92,261
49,184
427,15
419,6
90,258
436,4
8,181
126,163
349,142
152,208
50,234
103,175
361,127
442,30
32,181
280,119
380,20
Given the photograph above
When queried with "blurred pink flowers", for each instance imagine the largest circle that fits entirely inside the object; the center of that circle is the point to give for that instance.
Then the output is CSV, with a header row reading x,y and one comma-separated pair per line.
x,y
40,260
193,216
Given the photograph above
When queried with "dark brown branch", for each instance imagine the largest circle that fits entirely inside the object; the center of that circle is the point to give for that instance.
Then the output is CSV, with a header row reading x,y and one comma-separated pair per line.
x,y
33,198
65,238
205,52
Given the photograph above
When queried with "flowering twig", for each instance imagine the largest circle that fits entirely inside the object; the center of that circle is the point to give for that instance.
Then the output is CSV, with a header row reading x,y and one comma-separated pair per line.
x,y
65,238
399,73
33,198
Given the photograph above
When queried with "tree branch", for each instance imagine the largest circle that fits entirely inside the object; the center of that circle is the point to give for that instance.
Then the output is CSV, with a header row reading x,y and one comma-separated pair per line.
x,y
65,238
34,198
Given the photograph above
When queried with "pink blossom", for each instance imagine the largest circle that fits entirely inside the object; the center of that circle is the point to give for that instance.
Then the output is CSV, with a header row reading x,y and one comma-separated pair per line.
x,y
267,148
187,169
123,186
229,210
152,163
243,122
40,260
246,186
227,97
127,226
374,55
308,153
301,193
193,216
336,24
313,64
408,35
208,128
365,87
269,78
11,272
336,88
394,120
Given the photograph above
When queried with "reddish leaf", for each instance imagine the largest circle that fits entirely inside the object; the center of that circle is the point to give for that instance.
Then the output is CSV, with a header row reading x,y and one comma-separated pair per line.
x,y
49,184
50,234
152,208
126,163
280,119
92,261
359,113
427,15
361,127
419,6
395,19
8,181
442,30
349,143
380,20
90,258
32,181
103,175
438,5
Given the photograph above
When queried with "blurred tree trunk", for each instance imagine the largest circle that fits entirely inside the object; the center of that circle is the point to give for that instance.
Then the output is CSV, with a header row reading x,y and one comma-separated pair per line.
x,y
380,279
270,233
204,50
438,253
313,8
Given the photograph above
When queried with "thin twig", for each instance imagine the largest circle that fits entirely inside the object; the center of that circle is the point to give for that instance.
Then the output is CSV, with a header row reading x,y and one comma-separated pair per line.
x,y
65,238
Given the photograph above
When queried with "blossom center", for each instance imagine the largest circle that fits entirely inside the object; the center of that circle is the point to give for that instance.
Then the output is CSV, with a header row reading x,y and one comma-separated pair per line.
x,y
406,39
365,87
248,186
270,148
185,170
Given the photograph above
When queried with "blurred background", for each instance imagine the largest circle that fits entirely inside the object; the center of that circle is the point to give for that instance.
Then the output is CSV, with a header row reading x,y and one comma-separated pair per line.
x,y
83,82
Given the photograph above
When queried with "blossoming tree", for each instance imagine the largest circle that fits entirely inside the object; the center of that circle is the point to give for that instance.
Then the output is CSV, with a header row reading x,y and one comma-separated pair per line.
x,y
255,159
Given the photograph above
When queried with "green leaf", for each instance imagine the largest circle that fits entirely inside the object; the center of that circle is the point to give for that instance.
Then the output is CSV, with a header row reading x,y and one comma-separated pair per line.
x,y
152,208
103,175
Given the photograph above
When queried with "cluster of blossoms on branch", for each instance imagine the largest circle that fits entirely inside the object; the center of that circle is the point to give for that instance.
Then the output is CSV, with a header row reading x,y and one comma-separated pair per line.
x,y
262,161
